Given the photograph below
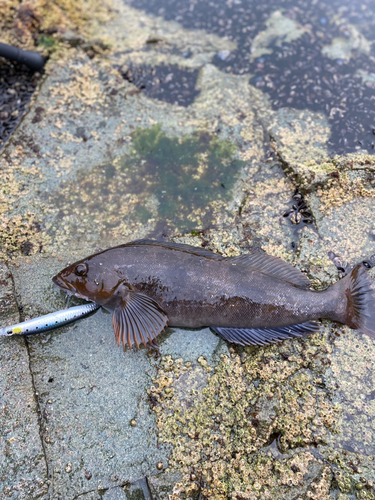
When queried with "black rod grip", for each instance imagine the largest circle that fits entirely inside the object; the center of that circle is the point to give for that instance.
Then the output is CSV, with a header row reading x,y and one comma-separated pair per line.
x,y
31,59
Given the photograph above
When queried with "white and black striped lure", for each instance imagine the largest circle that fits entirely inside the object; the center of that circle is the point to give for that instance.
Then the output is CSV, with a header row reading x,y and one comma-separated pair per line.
x,y
50,321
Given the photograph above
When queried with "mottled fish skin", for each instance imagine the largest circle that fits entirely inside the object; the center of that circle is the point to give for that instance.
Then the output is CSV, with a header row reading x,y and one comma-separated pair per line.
x,y
192,287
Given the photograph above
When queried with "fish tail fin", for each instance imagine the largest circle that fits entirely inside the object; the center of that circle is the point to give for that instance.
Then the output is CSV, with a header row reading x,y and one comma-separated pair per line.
x,y
359,312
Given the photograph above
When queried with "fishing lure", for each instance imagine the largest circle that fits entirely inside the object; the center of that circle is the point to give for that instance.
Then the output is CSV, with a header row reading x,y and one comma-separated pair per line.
x,y
50,321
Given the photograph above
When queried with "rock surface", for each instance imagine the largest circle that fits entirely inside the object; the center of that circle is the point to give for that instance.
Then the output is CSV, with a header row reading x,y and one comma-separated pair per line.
x,y
97,162
23,465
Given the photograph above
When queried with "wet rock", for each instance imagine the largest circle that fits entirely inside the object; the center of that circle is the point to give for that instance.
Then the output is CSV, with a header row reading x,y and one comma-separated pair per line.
x,y
161,486
351,366
23,468
88,205
100,393
9,313
216,411
72,38
270,422
312,257
300,139
349,237
187,47
343,208
280,29
352,42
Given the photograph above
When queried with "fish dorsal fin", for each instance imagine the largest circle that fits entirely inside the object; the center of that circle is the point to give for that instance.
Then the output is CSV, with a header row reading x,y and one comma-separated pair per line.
x,y
273,266
138,319
264,336
177,246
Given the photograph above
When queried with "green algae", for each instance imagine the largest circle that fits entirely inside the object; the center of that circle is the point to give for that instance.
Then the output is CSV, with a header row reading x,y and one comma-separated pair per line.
x,y
173,179
185,174
46,41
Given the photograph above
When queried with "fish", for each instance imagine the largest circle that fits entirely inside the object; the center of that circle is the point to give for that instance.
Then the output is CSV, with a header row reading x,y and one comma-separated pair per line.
x,y
50,321
252,299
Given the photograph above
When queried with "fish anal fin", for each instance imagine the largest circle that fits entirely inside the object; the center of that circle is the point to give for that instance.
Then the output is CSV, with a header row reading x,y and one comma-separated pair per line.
x,y
264,336
273,266
137,319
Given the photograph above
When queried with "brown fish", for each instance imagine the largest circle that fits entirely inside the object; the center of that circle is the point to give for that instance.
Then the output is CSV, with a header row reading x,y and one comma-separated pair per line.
x,y
251,299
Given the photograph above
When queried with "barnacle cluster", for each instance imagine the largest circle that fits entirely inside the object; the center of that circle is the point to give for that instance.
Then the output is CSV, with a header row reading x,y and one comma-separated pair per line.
x,y
341,190
234,429
20,232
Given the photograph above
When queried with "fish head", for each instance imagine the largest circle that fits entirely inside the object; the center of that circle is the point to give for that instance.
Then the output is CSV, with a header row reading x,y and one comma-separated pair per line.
x,y
89,279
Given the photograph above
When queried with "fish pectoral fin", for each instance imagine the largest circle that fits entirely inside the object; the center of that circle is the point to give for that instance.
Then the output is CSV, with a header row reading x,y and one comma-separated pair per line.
x,y
264,336
138,320
273,266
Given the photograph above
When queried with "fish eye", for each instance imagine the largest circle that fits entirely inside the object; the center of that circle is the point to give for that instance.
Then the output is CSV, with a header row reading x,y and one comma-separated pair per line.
x,y
81,270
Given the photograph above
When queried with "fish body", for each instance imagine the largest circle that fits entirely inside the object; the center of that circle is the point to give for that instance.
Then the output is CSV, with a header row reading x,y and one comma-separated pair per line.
x,y
251,299
50,321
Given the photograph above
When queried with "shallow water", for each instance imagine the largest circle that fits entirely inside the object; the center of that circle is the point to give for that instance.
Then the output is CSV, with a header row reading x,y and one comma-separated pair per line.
x,y
309,55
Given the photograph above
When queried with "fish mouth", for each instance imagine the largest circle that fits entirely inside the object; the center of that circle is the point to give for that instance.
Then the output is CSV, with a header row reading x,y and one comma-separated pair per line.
x,y
67,287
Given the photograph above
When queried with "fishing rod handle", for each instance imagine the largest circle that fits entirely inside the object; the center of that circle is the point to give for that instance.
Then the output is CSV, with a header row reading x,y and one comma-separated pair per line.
x,y
31,59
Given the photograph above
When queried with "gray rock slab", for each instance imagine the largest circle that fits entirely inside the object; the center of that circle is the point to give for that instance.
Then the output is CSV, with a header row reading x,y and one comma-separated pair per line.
x,y
139,490
9,313
36,293
190,344
23,468
347,230
162,485
89,391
